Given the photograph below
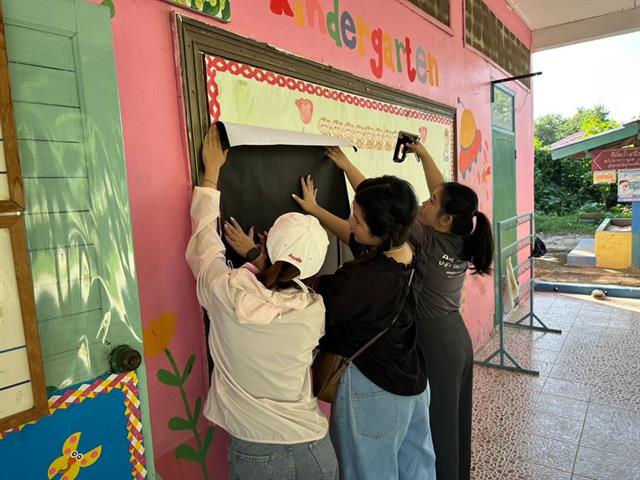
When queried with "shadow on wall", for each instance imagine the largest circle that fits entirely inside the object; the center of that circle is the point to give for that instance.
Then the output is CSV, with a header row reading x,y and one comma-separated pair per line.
x,y
80,247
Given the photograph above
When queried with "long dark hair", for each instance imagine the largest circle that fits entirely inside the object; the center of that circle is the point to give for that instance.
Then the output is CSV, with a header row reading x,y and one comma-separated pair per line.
x,y
389,206
461,202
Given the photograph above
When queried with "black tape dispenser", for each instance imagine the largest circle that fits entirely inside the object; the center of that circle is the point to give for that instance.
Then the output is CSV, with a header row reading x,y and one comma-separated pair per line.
x,y
404,138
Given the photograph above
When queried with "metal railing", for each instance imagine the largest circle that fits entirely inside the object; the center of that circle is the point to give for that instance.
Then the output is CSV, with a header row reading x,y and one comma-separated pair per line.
x,y
503,255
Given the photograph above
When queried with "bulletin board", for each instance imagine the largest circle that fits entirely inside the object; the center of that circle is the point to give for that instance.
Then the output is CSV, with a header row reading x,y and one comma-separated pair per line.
x,y
73,442
242,93
231,78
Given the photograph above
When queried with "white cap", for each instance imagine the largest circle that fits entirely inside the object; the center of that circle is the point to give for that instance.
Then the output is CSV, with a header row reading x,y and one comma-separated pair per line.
x,y
299,240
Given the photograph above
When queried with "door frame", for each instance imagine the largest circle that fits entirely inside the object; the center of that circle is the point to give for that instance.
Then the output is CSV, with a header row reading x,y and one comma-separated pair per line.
x,y
495,128
512,132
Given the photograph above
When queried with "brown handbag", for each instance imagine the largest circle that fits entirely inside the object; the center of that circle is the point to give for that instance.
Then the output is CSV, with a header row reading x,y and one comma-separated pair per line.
x,y
328,368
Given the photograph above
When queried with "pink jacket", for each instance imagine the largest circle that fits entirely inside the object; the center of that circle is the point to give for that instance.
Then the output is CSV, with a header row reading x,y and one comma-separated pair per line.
x,y
261,342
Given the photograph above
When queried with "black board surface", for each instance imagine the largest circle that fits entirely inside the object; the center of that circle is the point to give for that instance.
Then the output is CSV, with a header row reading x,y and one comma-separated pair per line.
x,y
257,182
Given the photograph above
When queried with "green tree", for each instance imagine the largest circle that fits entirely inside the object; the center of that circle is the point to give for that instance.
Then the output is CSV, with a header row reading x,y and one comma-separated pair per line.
x,y
563,186
552,127
589,120
547,127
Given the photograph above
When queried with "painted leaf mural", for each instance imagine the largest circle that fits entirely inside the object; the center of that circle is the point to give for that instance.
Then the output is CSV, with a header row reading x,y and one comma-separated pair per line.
x,y
178,378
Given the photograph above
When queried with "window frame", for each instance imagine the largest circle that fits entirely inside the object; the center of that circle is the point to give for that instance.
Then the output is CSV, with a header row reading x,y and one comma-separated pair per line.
x,y
446,27
15,202
11,219
196,38
504,90
467,43
17,233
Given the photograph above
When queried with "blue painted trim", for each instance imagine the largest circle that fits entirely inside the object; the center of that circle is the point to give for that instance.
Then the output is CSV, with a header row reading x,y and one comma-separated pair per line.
x,y
635,228
635,217
14,385
586,289
12,349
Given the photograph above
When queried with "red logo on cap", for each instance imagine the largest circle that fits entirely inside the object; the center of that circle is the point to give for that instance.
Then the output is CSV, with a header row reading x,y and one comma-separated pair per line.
x,y
297,259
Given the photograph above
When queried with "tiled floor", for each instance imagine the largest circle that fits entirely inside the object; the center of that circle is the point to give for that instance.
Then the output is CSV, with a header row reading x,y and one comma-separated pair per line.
x,y
580,419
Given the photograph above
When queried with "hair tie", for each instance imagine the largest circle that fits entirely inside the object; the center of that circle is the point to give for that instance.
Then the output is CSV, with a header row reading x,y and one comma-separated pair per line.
x,y
474,224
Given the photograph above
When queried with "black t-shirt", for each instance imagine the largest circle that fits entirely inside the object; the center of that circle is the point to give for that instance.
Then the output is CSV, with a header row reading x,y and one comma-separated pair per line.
x,y
362,298
440,271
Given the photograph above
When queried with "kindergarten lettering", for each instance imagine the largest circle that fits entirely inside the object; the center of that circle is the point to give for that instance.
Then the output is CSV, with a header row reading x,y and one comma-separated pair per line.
x,y
395,55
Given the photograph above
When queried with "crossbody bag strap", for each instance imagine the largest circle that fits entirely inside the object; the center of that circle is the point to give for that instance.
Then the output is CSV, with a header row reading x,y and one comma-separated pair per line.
x,y
374,339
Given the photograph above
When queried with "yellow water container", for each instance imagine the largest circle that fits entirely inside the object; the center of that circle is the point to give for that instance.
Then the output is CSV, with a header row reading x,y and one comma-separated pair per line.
x,y
613,243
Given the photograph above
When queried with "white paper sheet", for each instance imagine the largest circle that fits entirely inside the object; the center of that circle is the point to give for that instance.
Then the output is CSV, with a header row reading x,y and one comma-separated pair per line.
x,y
239,134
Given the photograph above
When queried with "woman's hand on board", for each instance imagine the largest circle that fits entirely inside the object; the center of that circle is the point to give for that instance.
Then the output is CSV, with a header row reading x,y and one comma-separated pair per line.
x,y
237,239
308,201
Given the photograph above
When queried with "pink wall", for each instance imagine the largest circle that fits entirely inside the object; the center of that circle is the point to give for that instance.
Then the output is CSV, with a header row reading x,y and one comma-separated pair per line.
x,y
158,166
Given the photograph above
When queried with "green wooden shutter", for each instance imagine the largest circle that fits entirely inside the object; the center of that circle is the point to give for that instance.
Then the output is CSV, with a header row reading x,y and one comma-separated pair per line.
x,y
65,95
62,73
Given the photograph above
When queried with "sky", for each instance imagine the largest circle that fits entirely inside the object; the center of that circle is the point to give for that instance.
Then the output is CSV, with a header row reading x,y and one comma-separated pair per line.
x,y
603,71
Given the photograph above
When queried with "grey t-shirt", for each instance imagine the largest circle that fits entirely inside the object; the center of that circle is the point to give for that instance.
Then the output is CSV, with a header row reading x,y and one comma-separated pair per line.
x,y
440,271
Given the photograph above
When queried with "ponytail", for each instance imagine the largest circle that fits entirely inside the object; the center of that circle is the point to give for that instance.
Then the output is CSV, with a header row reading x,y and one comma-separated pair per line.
x,y
461,203
279,276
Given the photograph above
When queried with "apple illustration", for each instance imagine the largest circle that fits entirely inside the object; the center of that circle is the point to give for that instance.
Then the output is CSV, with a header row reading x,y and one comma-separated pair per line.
x,y
423,134
305,108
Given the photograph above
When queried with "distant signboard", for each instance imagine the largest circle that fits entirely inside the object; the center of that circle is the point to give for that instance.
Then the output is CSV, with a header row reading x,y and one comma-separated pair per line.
x,y
615,159
629,185
605,176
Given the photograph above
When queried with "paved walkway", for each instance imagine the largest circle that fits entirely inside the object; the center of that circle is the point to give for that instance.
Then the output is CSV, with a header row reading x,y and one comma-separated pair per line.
x,y
580,419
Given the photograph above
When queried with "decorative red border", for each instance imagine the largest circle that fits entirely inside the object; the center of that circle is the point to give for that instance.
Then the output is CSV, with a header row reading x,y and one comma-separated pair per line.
x,y
219,64
128,383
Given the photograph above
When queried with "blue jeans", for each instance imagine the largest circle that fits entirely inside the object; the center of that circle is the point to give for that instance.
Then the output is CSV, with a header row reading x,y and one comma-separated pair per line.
x,y
268,461
379,435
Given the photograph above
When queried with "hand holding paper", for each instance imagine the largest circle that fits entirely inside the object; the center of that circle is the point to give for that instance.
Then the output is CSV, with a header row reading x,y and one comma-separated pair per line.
x,y
213,156
338,157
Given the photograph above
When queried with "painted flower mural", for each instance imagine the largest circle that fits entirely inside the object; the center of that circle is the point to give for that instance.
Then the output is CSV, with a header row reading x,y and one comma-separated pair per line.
x,y
158,334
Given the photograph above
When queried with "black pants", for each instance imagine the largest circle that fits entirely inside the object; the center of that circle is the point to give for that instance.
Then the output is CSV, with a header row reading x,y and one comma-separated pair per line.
x,y
448,353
